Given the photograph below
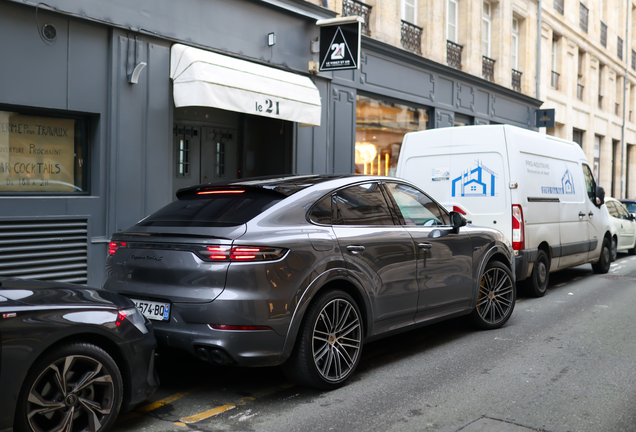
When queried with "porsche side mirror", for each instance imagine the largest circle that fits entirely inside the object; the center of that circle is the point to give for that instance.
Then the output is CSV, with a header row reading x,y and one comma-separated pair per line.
x,y
457,221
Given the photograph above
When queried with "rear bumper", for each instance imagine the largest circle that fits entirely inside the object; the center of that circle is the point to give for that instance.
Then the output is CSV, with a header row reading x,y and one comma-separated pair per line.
x,y
524,263
243,347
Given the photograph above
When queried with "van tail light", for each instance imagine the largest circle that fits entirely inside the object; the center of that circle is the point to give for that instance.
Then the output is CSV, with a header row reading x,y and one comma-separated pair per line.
x,y
241,253
518,235
458,209
115,246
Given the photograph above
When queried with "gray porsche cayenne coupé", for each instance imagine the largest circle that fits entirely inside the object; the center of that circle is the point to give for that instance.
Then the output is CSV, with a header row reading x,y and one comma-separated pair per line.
x,y
303,270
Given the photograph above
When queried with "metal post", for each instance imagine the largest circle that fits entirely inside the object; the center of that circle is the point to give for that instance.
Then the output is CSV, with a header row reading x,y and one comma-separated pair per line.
x,y
623,144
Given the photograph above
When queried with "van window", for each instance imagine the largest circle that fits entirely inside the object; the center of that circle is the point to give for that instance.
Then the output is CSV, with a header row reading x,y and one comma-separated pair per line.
x,y
590,184
416,207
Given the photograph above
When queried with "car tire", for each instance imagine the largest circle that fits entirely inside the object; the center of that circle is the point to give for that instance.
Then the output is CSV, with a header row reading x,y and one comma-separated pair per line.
x,y
538,283
496,298
604,262
329,342
90,400
614,249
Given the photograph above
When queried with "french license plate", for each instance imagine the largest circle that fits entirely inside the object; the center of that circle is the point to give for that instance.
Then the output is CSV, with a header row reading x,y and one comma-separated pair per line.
x,y
153,310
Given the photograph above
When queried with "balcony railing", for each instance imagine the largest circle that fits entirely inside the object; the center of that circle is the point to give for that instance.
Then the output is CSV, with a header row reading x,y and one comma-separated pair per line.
x,y
555,80
603,34
516,80
488,68
355,7
411,37
454,55
579,91
619,48
600,102
558,6
583,15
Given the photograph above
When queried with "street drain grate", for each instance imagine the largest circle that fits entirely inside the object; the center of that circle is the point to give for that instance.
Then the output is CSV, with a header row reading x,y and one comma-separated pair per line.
x,y
619,278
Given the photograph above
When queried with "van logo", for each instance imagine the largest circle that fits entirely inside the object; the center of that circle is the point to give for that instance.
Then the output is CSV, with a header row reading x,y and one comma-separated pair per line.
x,y
567,186
476,182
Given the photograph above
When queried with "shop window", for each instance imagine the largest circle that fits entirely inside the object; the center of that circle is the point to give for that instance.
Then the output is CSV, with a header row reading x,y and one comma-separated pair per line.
x,y
380,128
42,153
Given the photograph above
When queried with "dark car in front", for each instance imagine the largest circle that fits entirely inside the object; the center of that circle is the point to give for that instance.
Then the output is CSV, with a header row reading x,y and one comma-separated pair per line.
x,y
71,357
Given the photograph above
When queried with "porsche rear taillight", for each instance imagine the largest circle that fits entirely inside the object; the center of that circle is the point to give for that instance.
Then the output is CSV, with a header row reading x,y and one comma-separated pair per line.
x,y
115,246
242,253
518,235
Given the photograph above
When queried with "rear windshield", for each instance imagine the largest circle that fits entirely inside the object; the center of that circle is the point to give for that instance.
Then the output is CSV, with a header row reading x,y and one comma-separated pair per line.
x,y
217,210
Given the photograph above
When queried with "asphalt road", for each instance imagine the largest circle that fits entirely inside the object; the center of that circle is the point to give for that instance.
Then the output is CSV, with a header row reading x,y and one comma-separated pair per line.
x,y
564,362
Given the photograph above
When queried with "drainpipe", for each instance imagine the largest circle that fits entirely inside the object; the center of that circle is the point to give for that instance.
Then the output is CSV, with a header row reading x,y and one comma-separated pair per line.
x,y
539,52
623,143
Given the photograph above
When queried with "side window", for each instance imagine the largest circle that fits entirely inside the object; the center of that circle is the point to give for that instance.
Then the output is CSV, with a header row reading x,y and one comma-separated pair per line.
x,y
590,184
321,213
362,205
416,207
611,208
622,211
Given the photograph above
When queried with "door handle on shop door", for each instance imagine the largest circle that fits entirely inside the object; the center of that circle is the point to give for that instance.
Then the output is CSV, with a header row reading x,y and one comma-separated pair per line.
x,y
355,249
425,246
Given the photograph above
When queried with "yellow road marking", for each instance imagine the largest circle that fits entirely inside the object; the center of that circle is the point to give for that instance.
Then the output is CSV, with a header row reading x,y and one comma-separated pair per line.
x,y
153,406
180,424
207,414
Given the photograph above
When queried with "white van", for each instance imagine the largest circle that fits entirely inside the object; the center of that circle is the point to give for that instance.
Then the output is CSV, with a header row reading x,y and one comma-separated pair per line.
x,y
536,189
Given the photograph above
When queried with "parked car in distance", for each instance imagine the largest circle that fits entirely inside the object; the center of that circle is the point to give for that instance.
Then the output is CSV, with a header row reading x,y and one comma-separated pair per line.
x,y
630,204
71,357
303,270
537,189
623,227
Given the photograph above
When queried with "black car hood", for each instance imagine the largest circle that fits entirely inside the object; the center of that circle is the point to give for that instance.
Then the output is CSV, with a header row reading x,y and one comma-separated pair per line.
x,y
41,293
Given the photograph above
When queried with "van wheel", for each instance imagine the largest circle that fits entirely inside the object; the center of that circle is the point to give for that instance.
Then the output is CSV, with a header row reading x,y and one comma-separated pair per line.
x,y
540,275
329,343
497,296
614,249
604,261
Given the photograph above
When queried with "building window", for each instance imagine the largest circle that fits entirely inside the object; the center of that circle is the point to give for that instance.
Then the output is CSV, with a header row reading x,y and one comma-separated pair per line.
x,y
380,128
618,95
451,21
579,78
600,86
597,157
583,16
555,75
42,153
577,136
603,34
558,6
619,48
515,44
409,11
485,29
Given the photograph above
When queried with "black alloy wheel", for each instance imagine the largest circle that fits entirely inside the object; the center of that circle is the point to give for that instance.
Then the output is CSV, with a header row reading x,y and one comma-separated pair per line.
x,y
74,388
329,342
496,298
540,275
604,262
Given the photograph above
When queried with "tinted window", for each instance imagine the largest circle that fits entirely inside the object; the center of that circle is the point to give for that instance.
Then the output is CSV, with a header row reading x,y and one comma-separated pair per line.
x,y
362,205
213,210
416,207
631,207
321,213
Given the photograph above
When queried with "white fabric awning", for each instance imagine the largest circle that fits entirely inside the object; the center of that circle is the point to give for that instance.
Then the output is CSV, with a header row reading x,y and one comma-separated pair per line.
x,y
203,78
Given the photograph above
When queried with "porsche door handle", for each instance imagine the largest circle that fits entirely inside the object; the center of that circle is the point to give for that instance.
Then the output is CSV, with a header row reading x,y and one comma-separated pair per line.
x,y
355,249
425,246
